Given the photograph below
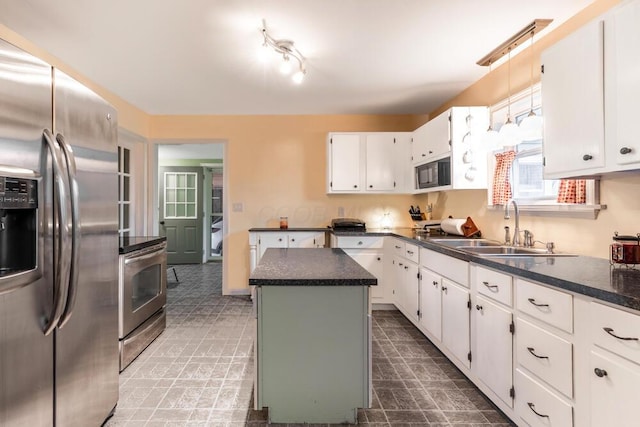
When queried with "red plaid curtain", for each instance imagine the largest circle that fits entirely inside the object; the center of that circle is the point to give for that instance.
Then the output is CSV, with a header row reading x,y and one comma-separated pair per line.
x,y
501,185
572,191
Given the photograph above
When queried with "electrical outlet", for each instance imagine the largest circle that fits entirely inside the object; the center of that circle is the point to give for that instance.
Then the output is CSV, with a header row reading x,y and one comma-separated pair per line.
x,y
340,212
238,207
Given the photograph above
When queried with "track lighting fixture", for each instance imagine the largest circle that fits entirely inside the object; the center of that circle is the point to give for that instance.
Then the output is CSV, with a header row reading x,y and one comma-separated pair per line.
x,y
290,55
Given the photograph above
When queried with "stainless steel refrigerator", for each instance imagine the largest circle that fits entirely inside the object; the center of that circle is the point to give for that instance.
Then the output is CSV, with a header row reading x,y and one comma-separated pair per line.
x,y
58,248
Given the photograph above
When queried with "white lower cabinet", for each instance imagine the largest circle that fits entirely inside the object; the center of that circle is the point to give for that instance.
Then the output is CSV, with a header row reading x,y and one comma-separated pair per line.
x,y
368,251
538,406
260,241
455,320
431,303
407,287
492,355
615,387
614,366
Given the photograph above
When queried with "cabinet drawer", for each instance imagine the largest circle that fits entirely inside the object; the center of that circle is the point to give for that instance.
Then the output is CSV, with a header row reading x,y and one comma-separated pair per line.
x,y
452,268
493,284
550,306
546,355
608,321
538,406
411,252
398,247
359,242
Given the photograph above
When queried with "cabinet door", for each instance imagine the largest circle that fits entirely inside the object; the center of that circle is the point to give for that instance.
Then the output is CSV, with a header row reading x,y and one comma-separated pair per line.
x,y
574,107
615,388
379,154
493,351
271,240
622,60
306,240
431,303
419,151
407,284
402,160
372,261
455,320
345,163
439,135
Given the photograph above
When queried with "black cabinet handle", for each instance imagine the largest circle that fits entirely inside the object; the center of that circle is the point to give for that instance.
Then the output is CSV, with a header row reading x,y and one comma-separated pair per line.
x,y
444,289
410,252
625,150
600,372
424,155
478,307
378,258
435,283
533,301
533,408
398,247
430,152
161,222
293,240
400,264
370,185
406,267
587,157
355,186
610,332
533,351
490,286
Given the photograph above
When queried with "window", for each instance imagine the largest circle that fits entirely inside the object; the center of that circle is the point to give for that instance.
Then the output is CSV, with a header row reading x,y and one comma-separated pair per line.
x,y
534,194
180,195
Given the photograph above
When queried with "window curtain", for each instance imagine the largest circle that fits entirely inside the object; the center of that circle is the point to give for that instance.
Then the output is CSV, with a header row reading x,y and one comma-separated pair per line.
x,y
501,184
572,191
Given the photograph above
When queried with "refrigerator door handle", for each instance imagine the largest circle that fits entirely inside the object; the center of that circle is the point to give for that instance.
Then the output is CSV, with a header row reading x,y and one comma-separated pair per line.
x,y
75,229
62,255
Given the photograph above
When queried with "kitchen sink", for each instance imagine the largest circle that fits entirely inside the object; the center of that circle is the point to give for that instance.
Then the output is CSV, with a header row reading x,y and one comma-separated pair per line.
x,y
507,251
467,243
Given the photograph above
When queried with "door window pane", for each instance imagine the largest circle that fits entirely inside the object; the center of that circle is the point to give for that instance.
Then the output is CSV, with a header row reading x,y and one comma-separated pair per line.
x,y
180,195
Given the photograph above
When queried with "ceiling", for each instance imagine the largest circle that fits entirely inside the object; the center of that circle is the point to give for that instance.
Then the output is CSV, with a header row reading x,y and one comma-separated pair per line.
x,y
201,56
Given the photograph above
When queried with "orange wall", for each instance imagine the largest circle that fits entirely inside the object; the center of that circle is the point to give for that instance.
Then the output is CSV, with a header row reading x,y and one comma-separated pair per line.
x,y
276,166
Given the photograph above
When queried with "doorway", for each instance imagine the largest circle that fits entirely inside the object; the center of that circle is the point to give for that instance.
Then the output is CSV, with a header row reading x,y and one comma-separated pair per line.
x,y
205,160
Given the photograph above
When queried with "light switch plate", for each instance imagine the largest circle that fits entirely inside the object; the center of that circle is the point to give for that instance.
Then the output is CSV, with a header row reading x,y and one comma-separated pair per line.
x,y
238,207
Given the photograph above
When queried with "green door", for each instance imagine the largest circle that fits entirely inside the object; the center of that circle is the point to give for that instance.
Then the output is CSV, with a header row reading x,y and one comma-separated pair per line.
x,y
181,213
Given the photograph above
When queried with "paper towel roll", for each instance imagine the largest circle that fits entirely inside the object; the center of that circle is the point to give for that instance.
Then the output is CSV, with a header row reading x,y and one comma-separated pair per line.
x,y
453,226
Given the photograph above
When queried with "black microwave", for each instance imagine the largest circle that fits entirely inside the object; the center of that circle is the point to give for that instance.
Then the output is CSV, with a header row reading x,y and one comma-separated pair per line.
x,y
433,174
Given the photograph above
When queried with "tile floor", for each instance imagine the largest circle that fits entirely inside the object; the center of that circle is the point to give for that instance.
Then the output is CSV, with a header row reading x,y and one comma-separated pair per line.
x,y
199,372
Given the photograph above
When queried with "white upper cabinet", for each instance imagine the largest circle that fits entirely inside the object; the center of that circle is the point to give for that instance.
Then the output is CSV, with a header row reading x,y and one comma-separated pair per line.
x,y
367,162
432,140
456,135
590,89
344,158
622,62
380,168
573,103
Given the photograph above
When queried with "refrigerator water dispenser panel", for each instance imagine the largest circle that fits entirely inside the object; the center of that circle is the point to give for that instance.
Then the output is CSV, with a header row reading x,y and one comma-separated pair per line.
x,y
18,225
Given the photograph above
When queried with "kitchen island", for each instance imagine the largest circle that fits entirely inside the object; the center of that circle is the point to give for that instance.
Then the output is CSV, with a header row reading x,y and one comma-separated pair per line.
x,y
313,341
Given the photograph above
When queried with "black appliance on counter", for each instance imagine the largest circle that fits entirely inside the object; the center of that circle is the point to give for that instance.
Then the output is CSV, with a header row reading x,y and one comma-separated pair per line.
x,y
348,224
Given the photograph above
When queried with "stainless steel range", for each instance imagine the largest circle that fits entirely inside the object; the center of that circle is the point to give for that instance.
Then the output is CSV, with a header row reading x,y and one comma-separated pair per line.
x,y
143,294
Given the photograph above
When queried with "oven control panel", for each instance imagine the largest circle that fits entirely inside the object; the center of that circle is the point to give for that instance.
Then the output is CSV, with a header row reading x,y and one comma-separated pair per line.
x,y
18,193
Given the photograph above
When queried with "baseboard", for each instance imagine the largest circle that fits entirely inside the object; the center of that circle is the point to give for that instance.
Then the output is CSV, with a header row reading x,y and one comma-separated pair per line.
x,y
380,306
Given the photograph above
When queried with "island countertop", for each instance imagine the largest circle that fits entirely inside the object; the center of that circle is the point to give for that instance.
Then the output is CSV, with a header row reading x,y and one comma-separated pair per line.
x,y
309,267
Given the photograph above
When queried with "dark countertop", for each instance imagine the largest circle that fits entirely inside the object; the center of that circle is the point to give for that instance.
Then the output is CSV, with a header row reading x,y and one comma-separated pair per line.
x,y
258,229
309,267
590,276
134,243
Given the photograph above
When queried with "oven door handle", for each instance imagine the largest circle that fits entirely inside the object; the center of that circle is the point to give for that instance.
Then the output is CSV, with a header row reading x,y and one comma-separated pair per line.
x,y
62,258
74,194
144,257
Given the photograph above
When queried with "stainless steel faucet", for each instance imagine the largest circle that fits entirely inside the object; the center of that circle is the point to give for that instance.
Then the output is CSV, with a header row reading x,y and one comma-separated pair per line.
x,y
516,231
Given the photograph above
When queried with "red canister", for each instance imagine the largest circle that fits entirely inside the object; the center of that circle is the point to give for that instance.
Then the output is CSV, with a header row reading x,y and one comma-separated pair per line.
x,y
625,249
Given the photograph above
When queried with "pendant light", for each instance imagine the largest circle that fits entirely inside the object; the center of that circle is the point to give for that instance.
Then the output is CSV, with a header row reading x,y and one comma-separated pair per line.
x,y
509,132
531,126
491,138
